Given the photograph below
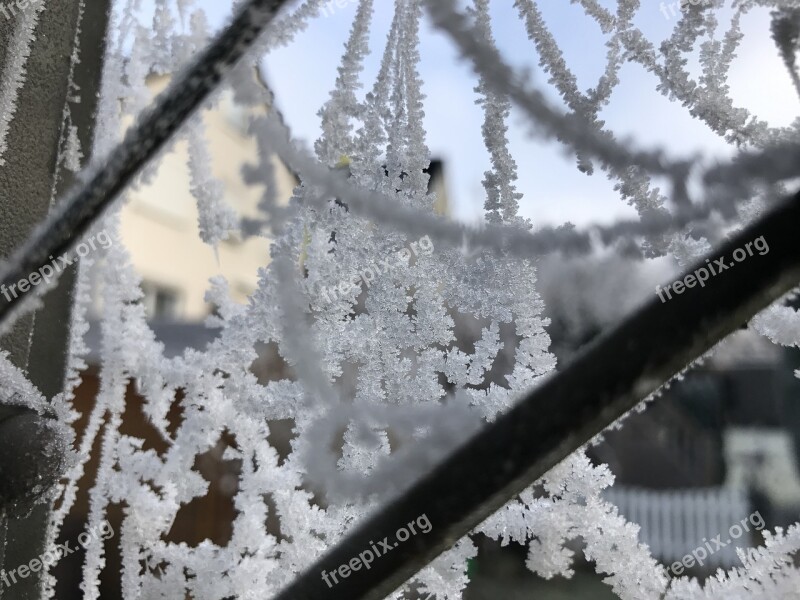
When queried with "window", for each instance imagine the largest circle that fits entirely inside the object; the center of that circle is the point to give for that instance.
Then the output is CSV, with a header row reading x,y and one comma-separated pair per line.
x,y
160,302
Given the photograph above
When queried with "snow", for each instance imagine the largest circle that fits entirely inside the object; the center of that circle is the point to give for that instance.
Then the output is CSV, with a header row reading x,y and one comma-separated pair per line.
x,y
369,366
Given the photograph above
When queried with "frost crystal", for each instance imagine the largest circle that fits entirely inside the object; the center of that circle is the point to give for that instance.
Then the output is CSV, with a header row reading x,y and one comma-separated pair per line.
x,y
392,372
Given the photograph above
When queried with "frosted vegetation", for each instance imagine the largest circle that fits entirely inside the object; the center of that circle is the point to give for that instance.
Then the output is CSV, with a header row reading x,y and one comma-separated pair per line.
x,y
385,364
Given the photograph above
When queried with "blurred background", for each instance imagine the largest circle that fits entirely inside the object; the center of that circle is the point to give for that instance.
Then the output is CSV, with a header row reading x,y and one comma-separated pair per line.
x,y
717,446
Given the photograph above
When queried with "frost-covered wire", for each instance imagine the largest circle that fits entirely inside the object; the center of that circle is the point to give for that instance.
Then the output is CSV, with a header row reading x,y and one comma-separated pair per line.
x,y
502,197
488,62
786,33
13,76
514,241
343,106
384,347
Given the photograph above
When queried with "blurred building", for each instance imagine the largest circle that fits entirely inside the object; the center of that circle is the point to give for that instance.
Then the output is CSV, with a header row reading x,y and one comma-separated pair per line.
x,y
160,223
717,445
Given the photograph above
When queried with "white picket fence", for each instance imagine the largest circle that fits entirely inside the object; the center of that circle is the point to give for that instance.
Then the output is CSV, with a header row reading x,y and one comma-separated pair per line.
x,y
676,522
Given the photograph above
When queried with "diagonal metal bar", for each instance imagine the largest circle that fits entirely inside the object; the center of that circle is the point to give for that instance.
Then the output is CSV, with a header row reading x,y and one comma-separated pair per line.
x,y
605,381
75,213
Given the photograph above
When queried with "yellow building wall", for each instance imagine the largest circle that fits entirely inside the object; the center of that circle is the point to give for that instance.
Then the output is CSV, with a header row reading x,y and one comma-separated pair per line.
x,y
160,223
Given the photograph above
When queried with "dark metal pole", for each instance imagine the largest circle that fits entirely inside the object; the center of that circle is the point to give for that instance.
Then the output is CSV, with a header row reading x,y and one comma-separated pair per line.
x,y
37,343
75,213
606,380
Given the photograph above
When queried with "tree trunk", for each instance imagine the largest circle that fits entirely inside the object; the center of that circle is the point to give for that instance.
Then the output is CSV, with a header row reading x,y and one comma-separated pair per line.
x,y
38,342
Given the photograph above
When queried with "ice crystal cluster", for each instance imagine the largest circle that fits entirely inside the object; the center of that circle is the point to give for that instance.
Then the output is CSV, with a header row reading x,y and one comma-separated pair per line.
x,y
381,370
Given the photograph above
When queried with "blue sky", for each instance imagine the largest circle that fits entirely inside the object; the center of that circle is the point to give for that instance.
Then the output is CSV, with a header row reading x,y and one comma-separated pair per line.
x,y
554,190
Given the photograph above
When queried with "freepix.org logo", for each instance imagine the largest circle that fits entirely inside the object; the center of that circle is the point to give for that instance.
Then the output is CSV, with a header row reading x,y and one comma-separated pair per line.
x,y
702,275
366,277
709,547
365,559
103,531
50,270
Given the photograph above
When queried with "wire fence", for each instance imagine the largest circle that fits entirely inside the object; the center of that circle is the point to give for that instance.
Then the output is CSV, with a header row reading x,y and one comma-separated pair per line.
x,y
598,388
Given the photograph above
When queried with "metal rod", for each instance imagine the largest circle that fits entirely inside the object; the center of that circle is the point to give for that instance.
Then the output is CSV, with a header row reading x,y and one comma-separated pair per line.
x,y
74,214
602,383
32,455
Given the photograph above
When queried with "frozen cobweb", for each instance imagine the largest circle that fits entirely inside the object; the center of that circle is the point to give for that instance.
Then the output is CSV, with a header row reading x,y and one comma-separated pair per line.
x,y
389,364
